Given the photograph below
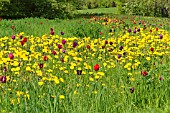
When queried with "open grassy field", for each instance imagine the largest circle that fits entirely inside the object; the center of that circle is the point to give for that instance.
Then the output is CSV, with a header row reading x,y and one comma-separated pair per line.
x,y
113,10
91,64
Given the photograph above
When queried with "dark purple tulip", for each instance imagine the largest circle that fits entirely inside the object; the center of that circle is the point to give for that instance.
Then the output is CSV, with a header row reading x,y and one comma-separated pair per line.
x,y
119,55
79,72
13,37
62,33
111,43
21,37
132,89
161,36
53,52
5,69
59,46
124,53
138,30
63,41
129,30
161,78
134,31
62,59
63,51
52,32
121,47
3,79
75,44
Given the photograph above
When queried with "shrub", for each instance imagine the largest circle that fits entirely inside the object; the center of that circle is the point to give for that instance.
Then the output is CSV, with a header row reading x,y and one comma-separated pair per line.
x,y
35,8
145,7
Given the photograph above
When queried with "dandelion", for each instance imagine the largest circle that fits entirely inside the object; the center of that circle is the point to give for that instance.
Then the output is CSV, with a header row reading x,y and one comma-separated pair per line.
x,y
40,83
62,97
148,58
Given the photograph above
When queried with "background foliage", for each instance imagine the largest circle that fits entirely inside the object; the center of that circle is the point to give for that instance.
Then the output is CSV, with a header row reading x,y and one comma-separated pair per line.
x,y
48,8
145,7
65,8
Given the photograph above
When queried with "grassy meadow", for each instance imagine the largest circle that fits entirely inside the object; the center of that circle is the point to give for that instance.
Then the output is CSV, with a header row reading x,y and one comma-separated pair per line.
x,y
90,64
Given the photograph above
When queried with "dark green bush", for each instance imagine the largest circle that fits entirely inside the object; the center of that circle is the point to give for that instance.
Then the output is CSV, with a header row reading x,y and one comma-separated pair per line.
x,y
35,8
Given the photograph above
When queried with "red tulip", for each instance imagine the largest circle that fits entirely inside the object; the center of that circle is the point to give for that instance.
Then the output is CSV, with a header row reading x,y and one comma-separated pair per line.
x,y
96,67
45,58
152,49
88,46
144,73
22,43
41,65
101,33
156,29
25,40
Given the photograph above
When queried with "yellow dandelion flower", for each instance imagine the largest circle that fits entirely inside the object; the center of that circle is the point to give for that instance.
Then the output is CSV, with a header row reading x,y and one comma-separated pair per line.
x,y
40,83
72,67
39,72
130,74
104,64
61,79
132,79
65,71
75,92
100,73
103,84
148,58
62,97
28,68
91,79
97,77
95,92
78,85
56,80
